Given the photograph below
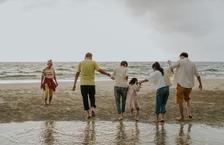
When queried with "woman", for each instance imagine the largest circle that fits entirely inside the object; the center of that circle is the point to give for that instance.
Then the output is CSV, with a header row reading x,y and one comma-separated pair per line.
x,y
48,82
161,82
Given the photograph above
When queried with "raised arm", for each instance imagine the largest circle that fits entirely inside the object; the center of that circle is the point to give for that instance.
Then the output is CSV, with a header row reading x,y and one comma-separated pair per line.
x,y
174,65
143,81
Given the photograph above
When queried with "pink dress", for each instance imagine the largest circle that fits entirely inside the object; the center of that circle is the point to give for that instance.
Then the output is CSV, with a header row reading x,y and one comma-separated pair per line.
x,y
132,97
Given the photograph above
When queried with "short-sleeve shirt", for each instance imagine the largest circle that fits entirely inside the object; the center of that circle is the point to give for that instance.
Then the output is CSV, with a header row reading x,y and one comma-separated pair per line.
x,y
120,74
185,72
157,79
87,72
48,72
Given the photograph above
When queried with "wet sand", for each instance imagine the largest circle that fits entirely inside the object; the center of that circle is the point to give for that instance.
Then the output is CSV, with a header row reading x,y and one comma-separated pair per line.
x,y
108,133
22,102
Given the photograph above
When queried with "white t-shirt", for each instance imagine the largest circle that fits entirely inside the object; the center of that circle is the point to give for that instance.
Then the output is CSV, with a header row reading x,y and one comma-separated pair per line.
x,y
185,72
120,74
157,79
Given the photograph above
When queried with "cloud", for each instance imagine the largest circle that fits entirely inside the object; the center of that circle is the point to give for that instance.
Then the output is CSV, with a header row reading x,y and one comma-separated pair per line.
x,y
189,17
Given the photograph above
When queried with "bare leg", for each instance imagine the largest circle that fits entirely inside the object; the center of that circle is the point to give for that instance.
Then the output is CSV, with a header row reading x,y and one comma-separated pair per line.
x,y
137,115
181,107
50,99
189,108
45,100
93,111
156,118
88,114
162,117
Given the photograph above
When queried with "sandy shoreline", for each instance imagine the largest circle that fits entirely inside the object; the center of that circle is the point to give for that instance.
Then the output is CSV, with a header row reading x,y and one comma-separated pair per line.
x,y
22,102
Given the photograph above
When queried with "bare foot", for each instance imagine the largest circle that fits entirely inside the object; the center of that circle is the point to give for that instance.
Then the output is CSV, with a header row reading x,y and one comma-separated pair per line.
x,y
120,117
190,116
155,121
179,119
136,119
88,116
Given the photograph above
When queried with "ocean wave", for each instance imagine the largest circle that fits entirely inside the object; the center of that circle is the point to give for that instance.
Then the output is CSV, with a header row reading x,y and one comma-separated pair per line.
x,y
212,70
18,76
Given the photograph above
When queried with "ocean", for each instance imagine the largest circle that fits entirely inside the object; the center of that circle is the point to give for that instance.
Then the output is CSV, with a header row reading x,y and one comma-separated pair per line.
x,y
23,72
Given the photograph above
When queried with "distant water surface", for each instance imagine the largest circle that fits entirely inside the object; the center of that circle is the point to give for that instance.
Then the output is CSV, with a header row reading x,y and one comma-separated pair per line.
x,y
31,71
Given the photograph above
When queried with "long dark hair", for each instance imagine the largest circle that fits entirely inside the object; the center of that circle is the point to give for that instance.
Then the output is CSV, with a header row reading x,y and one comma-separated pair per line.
x,y
156,66
133,81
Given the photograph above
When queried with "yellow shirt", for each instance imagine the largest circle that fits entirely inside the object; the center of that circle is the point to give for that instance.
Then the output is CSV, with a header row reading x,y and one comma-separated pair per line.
x,y
87,72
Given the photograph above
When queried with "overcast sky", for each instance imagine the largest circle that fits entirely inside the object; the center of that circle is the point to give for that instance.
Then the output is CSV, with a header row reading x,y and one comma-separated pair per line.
x,y
114,30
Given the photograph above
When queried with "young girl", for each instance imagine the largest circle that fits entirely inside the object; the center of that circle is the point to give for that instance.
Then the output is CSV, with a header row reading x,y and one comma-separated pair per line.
x,y
132,97
160,78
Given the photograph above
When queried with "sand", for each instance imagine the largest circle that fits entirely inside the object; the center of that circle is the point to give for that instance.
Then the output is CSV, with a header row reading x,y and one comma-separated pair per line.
x,y
22,102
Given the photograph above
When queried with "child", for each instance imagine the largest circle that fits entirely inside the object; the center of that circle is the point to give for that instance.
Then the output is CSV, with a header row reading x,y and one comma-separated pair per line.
x,y
132,98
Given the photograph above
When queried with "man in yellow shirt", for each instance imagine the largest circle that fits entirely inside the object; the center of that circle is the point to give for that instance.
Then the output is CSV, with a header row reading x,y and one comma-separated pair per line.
x,y
86,69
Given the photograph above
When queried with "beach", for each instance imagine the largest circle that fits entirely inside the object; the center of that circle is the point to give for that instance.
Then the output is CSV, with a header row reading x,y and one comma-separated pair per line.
x,y
23,102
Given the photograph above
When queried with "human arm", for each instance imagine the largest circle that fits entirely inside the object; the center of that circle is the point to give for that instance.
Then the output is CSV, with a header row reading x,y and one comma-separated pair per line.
x,y
55,79
143,81
103,72
42,80
113,74
174,65
199,81
196,73
75,81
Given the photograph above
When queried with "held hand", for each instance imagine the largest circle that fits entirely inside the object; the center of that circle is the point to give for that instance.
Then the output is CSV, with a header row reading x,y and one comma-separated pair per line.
x,y
112,78
108,75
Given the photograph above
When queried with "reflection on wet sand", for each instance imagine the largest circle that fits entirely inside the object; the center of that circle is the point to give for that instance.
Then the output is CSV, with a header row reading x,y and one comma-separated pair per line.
x,y
94,132
127,136
160,135
48,133
183,138
89,133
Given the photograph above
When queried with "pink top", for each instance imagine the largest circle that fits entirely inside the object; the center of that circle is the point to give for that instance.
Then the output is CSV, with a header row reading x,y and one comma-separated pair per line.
x,y
132,97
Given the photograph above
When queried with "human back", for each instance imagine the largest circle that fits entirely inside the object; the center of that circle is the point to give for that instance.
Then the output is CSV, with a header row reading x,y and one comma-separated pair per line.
x,y
87,69
185,73
120,74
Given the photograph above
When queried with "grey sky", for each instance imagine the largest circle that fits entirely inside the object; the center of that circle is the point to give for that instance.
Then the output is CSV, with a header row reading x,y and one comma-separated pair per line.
x,y
137,30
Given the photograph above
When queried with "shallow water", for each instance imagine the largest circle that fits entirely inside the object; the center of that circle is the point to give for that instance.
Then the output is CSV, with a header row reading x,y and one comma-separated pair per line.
x,y
109,133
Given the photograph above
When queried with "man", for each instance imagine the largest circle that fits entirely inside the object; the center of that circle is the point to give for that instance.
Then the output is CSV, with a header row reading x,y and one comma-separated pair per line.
x,y
184,77
86,69
48,82
120,75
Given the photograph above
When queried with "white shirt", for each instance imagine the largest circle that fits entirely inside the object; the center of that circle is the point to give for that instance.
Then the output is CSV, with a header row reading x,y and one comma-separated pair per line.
x,y
120,74
185,72
157,79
